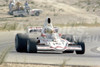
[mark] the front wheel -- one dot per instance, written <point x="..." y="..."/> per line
<point x="21" y="42"/>
<point x="82" y="44"/>
<point x="31" y="46"/>
<point x="69" y="51"/>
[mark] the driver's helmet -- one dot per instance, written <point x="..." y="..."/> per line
<point x="49" y="30"/>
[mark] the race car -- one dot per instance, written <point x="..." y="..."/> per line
<point x="35" y="12"/>
<point x="47" y="38"/>
<point x="18" y="10"/>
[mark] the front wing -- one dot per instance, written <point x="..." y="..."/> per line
<point x="45" y="47"/>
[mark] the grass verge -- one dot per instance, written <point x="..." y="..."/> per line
<point x="78" y="24"/>
<point x="16" y="26"/>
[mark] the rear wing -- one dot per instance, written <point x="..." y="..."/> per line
<point x="38" y="29"/>
<point x="34" y="29"/>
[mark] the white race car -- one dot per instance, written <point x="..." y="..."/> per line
<point x="47" y="38"/>
<point x="35" y="12"/>
<point x="18" y="10"/>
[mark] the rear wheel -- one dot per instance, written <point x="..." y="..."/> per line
<point x="82" y="44"/>
<point x="11" y="12"/>
<point x="68" y="37"/>
<point x="31" y="46"/>
<point x="37" y="13"/>
<point x="21" y="42"/>
<point x="21" y="15"/>
<point x="15" y="16"/>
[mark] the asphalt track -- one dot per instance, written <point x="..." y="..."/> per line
<point x="91" y="36"/>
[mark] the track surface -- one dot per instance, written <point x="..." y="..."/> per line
<point x="91" y="37"/>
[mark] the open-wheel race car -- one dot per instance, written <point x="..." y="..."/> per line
<point x="47" y="38"/>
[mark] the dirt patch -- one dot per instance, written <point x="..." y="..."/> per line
<point x="60" y="11"/>
<point x="27" y="65"/>
<point x="37" y="65"/>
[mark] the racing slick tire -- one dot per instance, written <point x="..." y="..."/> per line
<point x="21" y="15"/>
<point x="82" y="44"/>
<point x="15" y="16"/>
<point x="68" y="51"/>
<point x="31" y="46"/>
<point x="10" y="12"/>
<point x="37" y="13"/>
<point x="68" y="37"/>
<point x="21" y="42"/>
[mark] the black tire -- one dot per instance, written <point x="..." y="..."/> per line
<point x="21" y="42"/>
<point x="11" y="13"/>
<point x="82" y="44"/>
<point x="68" y="51"/>
<point x="31" y="46"/>
<point x="15" y="16"/>
<point x="68" y="37"/>
<point x="21" y="15"/>
<point x="37" y="13"/>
